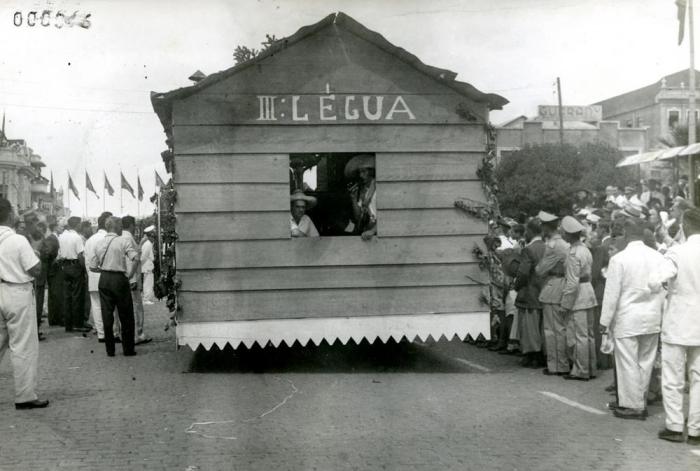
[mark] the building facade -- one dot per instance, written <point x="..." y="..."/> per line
<point x="659" y="107"/>
<point x="21" y="181"/>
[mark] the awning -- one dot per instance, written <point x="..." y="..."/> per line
<point x="662" y="154"/>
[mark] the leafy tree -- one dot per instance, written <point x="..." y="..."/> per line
<point x="546" y="177"/>
<point x="244" y="53"/>
<point x="679" y="136"/>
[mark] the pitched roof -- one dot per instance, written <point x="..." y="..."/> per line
<point x="644" y="96"/>
<point x="162" y="102"/>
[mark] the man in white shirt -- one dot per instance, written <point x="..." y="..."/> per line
<point x="632" y="315"/>
<point x="72" y="261"/>
<point x="680" y="331"/>
<point x="128" y="227"/>
<point x="19" y="265"/>
<point x="147" y="264"/>
<point x="300" y="224"/>
<point x="94" y="280"/>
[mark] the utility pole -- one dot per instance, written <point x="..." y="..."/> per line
<point x="692" y="174"/>
<point x="561" y="114"/>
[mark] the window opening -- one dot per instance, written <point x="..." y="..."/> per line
<point x="335" y="191"/>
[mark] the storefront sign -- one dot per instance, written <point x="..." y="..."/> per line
<point x="333" y="107"/>
<point x="571" y="113"/>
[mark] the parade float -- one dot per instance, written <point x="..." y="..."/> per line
<point x="241" y="140"/>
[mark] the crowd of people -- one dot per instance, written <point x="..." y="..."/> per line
<point x="88" y="274"/>
<point x="614" y="280"/>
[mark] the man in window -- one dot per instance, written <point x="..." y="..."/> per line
<point x="363" y="194"/>
<point x="301" y="224"/>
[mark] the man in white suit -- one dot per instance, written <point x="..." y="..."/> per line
<point x="631" y="313"/>
<point x="680" y="332"/>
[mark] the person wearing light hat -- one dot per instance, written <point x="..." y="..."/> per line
<point x="148" y="264"/>
<point x="578" y="302"/>
<point x="300" y="223"/>
<point x="363" y="194"/>
<point x="551" y="269"/>
<point x="680" y="331"/>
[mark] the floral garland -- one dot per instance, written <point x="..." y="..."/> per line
<point x="167" y="283"/>
<point x="487" y="211"/>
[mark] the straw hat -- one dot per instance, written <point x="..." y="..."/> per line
<point x="358" y="162"/>
<point x="300" y="196"/>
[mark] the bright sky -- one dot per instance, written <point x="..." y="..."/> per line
<point x="80" y="97"/>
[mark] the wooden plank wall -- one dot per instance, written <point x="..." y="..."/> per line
<point x="236" y="258"/>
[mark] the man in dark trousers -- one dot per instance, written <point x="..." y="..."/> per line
<point x="110" y="259"/>
<point x="71" y="258"/>
<point x="48" y="253"/>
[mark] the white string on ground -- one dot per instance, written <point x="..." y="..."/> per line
<point x="192" y="427"/>
<point x="571" y="403"/>
<point x="695" y="452"/>
<point x="471" y="364"/>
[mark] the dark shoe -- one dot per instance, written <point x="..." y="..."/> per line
<point x="610" y="388"/>
<point x="42" y="337"/>
<point x="670" y="435"/>
<point x="612" y="405"/>
<point x="552" y="373"/>
<point x="35" y="404"/>
<point x="633" y="414"/>
<point x="508" y="352"/>
<point x="101" y="340"/>
<point x="130" y="354"/>
<point x="142" y="341"/>
<point x="110" y="354"/>
<point x="117" y="340"/>
<point x="80" y="329"/>
<point x="693" y="440"/>
<point x="574" y="378"/>
<point x="527" y="361"/>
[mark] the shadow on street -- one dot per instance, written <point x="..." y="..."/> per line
<point x="392" y="357"/>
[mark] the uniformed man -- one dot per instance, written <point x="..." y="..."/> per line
<point x="71" y="258"/>
<point x="110" y="259"/>
<point x="551" y="269"/>
<point x="19" y="265"/>
<point x="578" y="303"/>
<point x="128" y="228"/>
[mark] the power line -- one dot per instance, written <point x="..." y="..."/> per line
<point x="92" y="110"/>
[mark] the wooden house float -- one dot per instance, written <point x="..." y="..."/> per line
<point x="245" y="138"/>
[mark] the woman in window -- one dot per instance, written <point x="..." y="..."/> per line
<point x="363" y="194"/>
<point x="301" y="224"/>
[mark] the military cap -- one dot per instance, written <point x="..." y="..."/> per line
<point x="546" y="217"/>
<point x="570" y="225"/>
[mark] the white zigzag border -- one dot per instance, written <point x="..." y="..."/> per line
<point x="316" y="330"/>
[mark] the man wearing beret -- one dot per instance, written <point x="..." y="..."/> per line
<point x="551" y="269"/>
<point x="578" y="302"/>
<point x="680" y="331"/>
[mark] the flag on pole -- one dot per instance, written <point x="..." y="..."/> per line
<point x="88" y="184"/>
<point x="125" y="186"/>
<point x="682" y="6"/>
<point x="159" y="181"/>
<point x="108" y="187"/>
<point x="72" y="187"/>
<point x="139" y="188"/>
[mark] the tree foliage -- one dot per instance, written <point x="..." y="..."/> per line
<point x="678" y="136"/>
<point x="546" y="177"/>
<point x="244" y="53"/>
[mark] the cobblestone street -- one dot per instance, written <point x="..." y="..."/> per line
<point x="407" y="406"/>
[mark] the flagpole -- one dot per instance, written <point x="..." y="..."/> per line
<point x="85" y="215"/>
<point x="69" y="190"/>
<point x="692" y="177"/>
<point x="138" y="201"/>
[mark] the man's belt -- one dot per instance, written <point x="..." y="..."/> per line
<point x="66" y="261"/>
<point x="584" y="279"/>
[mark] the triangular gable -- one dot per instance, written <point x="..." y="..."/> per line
<point x="336" y="36"/>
